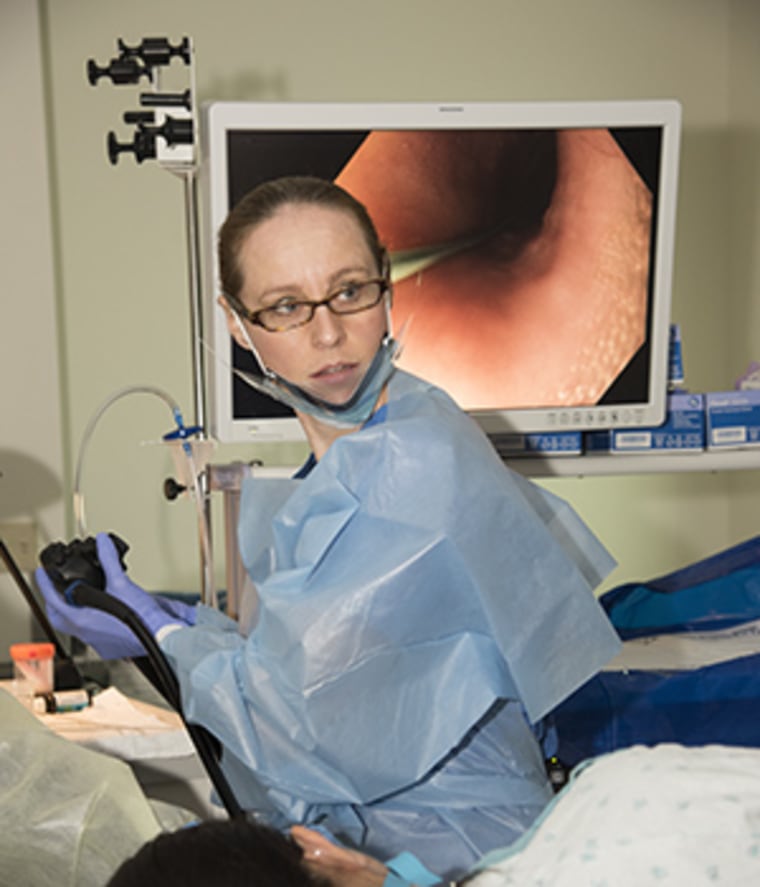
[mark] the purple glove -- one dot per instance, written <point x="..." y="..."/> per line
<point x="109" y="636"/>
<point x="155" y="611"/>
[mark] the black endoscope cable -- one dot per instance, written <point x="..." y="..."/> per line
<point x="84" y="595"/>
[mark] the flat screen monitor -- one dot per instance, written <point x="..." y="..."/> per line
<point x="531" y="247"/>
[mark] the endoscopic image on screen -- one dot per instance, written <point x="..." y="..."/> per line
<point x="521" y="259"/>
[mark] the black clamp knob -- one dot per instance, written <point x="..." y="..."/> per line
<point x="172" y="489"/>
<point x="143" y="146"/>
<point x="155" y="51"/>
<point x="122" y="71"/>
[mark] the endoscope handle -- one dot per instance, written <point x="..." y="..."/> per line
<point x="77" y="560"/>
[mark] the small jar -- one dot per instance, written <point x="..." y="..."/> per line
<point x="32" y="671"/>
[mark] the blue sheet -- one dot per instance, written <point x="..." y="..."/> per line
<point x="716" y="598"/>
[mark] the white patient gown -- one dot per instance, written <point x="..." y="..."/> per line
<point x="419" y="603"/>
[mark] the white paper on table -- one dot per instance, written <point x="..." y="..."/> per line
<point x="123" y="727"/>
<point x="688" y="649"/>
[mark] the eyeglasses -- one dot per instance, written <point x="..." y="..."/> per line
<point x="289" y="313"/>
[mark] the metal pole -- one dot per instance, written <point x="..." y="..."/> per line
<point x="196" y="299"/>
<point x="208" y="593"/>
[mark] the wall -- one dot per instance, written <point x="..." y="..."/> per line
<point x="31" y="465"/>
<point x="744" y="256"/>
<point x="119" y="230"/>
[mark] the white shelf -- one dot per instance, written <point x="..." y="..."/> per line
<point x="638" y="463"/>
<point x="596" y="465"/>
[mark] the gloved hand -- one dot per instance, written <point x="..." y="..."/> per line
<point x="109" y="636"/>
<point x="154" y="610"/>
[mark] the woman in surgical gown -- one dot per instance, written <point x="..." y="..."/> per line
<point x="420" y="607"/>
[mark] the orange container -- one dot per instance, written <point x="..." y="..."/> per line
<point x="32" y="668"/>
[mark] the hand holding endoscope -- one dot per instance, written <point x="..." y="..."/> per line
<point x="89" y="595"/>
<point x="66" y="563"/>
<point x="84" y="583"/>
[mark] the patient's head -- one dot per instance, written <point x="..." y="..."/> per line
<point x="239" y="853"/>
<point x="228" y="853"/>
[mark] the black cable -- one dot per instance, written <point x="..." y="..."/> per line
<point x="26" y="591"/>
<point x="67" y="674"/>
<point x="84" y="595"/>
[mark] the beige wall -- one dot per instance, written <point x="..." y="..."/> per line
<point x="121" y="277"/>
<point x="30" y="394"/>
<point x="744" y="250"/>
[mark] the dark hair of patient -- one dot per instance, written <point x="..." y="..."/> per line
<point x="218" y="853"/>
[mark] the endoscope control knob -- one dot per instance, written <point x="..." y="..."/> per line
<point x="77" y="560"/>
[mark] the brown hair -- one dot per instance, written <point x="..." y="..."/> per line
<point x="263" y="202"/>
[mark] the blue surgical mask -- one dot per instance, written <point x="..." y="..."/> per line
<point x="354" y="412"/>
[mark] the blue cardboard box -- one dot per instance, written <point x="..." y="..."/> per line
<point x="675" y="357"/>
<point x="682" y="431"/>
<point x="732" y="419"/>
<point x="548" y="443"/>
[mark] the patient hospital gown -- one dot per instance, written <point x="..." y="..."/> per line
<point x="419" y="604"/>
<point x="644" y="817"/>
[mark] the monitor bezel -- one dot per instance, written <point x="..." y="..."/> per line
<point x="219" y="118"/>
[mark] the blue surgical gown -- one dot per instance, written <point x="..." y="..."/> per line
<point x="419" y="604"/>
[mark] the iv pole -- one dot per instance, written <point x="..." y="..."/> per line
<point x="190" y="181"/>
<point x="171" y="139"/>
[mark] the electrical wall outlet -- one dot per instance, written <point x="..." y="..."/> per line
<point x="20" y="538"/>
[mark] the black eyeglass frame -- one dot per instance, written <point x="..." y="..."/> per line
<point x="254" y="317"/>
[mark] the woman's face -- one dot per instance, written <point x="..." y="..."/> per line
<point x="306" y="252"/>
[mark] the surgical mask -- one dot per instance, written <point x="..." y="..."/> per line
<point x="350" y="414"/>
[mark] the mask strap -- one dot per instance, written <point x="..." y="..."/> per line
<point x="244" y="332"/>
<point x="387" y="300"/>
